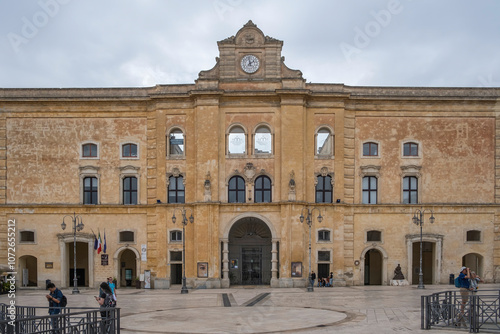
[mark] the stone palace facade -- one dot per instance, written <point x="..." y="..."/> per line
<point x="246" y="150"/>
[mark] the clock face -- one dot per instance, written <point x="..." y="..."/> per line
<point x="250" y="64"/>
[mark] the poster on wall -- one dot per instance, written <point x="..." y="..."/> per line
<point x="203" y="269"/>
<point x="147" y="279"/>
<point x="296" y="269"/>
<point x="144" y="254"/>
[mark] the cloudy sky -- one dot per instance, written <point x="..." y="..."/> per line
<point x="134" y="43"/>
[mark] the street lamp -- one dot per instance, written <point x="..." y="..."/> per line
<point x="418" y="219"/>
<point x="184" y="223"/>
<point x="77" y="227"/>
<point x="308" y="219"/>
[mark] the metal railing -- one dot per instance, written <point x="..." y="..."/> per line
<point x="71" y="320"/>
<point x="475" y="312"/>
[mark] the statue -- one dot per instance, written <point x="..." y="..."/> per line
<point x="208" y="188"/>
<point x="398" y="274"/>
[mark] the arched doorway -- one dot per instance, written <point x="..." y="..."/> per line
<point x="127" y="268"/>
<point x="82" y="263"/>
<point x="373" y="267"/>
<point x="474" y="262"/>
<point x="427" y="262"/>
<point x="250" y="246"/>
<point x="28" y="270"/>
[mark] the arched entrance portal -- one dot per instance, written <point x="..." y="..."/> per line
<point x="474" y="262"/>
<point x="28" y="270"/>
<point x="373" y="267"/>
<point x="250" y="245"/>
<point x="128" y="269"/>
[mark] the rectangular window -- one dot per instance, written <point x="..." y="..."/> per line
<point x="90" y="190"/>
<point x="175" y="256"/>
<point x="323" y="256"/>
<point x="324" y="235"/>
<point x="369" y="190"/>
<point x="130" y="190"/>
<point x="410" y="190"/>
<point x="410" y="150"/>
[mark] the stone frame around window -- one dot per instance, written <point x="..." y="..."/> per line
<point x="415" y="171"/>
<point x="480" y="241"/>
<point x="34" y="242"/>
<point x="130" y="171"/>
<point x="97" y="157"/>
<point x="271" y="132"/>
<point x="90" y="171"/>
<point x="169" y="155"/>
<point x="374" y="242"/>
<point x="127" y="143"/>
<point x="324" y="172"/>
<point x="330" y="155"/>
<point x="378" y="156"/>
<point x="330" y="232"/>
<point x="169" y="236"/>
<point x="330" y="261"/>
<point x="228" y="132"/>
<point x="134" y="233"/>
<point x="408" y="141"/>
<point x="369" y="170"/>
<point x="175" y="173"/>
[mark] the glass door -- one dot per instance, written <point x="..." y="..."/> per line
<point x="251" y="269"/>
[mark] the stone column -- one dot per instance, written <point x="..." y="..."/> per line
<point x="225" y="263"/>
<point x="274" y="264"/>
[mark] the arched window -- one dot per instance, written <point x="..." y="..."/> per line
<point x="175" y="235"/>
<point x="263" y="143"/>
<point x="175" y="143"/>
<point x="262" y="189"/>
<point x="324" y="142"/>
<point x="89" y="150"/>
<point x="323" y="235"/>
<point x="324" y="189"/>
<point x="370" y="190"/>
<point x="236" y="141"/>
<point x="370" y="149"/>
<point x="90" y="190"/>
<point x="129" y="150"/>
<point x="236" y="190"/>
<point x="410" y="149"/>
<point x="176" y="191"/>
<point x="410" y="190"/>
<point x="130" y="190"/>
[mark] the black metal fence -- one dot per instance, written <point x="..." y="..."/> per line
<point x="71" y="320"/>
<point x="475" y="312"/>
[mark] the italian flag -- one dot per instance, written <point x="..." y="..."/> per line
<point x="99" y="244"/>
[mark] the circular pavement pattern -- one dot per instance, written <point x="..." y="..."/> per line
<point x="264" y="319"/>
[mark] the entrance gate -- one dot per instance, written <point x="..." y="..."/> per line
<point x="251" y="270"/>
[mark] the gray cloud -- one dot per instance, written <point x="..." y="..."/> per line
<point x="67" y="43"/>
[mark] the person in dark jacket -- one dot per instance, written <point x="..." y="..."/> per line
<point x="54" y="299"/>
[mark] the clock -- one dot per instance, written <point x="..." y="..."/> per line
<point x="250" y="64"/>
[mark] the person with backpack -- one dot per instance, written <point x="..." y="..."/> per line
<point x="106" y="301"/>
<point x="54" y="298"/>
<point x="463" y="282"/>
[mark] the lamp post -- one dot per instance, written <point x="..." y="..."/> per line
<point x="308" y="219"/>
<point x="418" y="219"/>
<point x="184" y="223"/>
<point x="77" y="227"/>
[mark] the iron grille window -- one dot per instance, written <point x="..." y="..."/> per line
<point x="324" y="189"/>
<point x="126" y="236"/>
<point x="90" y="190"/>
<point x="263" y="189"/>
<point x="130" y="190"/>
<point x="373" y="236"/>
<point x="410" y="150"/>
<point x="176" y="191"/>
<point x="323" y="256"/>
<point x="89" y="151"/>
<point x="27" y="236"/>
<point x="175" y="235"/>
<point x="129" y="151"/>
<point x="324" y="235"/>
<point x="473" y="235"/>
<point x="175" y="256"/>
<point x="370" y="149"/>
<point x="370" y="190"/>
<point x="236" y="190"/>
<point x="410" y="190"/>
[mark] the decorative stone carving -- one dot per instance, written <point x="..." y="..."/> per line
<point x="291" y="186"/>
<point x="369" y="170"/>
<point x="208" y="188"/>
<point x="249" y="171"/>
